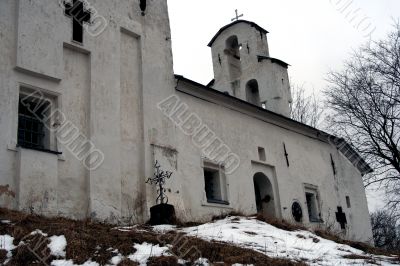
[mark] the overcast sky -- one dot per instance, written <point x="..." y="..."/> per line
<point x="313" y="36"/>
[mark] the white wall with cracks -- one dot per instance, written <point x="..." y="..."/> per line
<point x="102" y="86"/>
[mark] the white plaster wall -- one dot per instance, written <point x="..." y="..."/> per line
<point x="37" y="182"/>
<point x="87" y="79"/>
<point x="309" y="160"/>
<point x="128" y="70"/>
<point x="8" y="100"/>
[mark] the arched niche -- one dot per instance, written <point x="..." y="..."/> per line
<point x="252" y="92"/>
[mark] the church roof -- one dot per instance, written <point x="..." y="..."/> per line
<point x="345" y="148"/>
<point x="273" y="60"/>
<point x="234" y="23"/>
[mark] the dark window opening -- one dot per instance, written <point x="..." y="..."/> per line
<point x="297" y="212"/>
<point x="333" y="166"/>
<point x="143" y="6"/>
<point x="233" y="47"/>
<point x="348" y="202"/>
<point x="31" y="125"/>
<point x="214" y="186"/>
<point x="211" y="178"/>
<point x="252" y="92"/>
<point x="232" y="52"/>
<point x="312" y="207"/>
<point x="77" y="32"/>
<point x="261" y="154"/>
<point x="77" y="11"/>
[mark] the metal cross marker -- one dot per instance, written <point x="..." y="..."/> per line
<point x="237" y="16"/>
<point x="341" y="218"/>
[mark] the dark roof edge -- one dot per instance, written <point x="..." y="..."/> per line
<point x="211" y="83"/>
<point x="261" y="29"/>
<point x="273" y="60"/>
<point x="180" y="77"/>
<point x="345" y="148"/>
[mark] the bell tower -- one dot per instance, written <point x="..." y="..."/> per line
<point x="244" y="69"/>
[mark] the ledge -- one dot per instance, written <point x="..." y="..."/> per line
<point x="40" y="150"/>
<point x="262" y="163"/>
<point x="76" y="46"/>
<point x="225" y="205"/>
<point x="12" y="146"/>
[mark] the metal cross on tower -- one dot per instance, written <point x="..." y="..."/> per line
<point x="237" y="16"/>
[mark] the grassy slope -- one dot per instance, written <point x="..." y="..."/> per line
<point x="88" y="240"/>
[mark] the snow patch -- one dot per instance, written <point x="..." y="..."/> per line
<point x="164" y="228"/>
<point x="273" y="242"/>
<point x="38" y="232"/>
<point x="71" y="263"/>
<point x="6" y="243"/>
<point x="116" y="259"/>
<point x="57" y="246"/>
<point x="201" y="262"/>
<point x="145" y="251"/>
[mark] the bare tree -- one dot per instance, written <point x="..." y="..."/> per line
<point x="305" y="108"/>
<point x="385" y="230"/>
<point x="364" y="100"/>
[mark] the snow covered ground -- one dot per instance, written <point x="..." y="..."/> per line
<point x="240" y="231"/>
<point x="273" y="242"/>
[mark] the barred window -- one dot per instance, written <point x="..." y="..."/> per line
<point x="31" y="125"/>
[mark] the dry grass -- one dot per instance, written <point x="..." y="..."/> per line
<point x="356" y="257"/>
<point x="281" y="224"/>
<point x="222" y="252"/>
<point x="225" y="215"/>
<point x="89" y="240"/>
<point x="369" y="260"/>
<point x="3" y="256"/>
<point x="128" y="262"/>
<point x="162" y="261"/>
<point x="357" y="245"/>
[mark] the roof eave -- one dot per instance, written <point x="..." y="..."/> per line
<point x="261" y="29"/>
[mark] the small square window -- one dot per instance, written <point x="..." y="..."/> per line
<point x="261" y="154"/>
<point x="215" y="184"/>
<point x="348" y="202"/>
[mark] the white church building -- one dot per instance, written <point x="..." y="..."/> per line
<point x="89" y="102"/>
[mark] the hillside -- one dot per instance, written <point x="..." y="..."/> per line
<point x="33" y="240"/>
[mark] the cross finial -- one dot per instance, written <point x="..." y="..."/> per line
<point x="237" y="16"/>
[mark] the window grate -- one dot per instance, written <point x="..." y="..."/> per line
<point x="31" y="130"/>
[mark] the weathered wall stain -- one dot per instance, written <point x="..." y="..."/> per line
<point x="5" y="190"/>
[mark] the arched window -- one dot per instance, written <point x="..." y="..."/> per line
<point x="252" y="92"/>
<point x="233" y="47"/>
<point x="232" y="51"/>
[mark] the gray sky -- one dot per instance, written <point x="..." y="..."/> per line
<point x="313" y="36"/>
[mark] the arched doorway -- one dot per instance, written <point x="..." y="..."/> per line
<point x="264" y="195"/>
